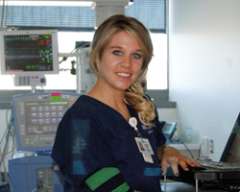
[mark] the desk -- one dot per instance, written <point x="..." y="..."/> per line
<point x="223" y="177"/>
<point x="174" y="186"/>
<point x="208" y="177"/>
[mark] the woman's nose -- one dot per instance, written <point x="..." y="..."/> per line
<point x="126" y="61"/>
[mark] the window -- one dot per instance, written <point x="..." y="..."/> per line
<point x="157" y="77"/>
<point x="157" y="68"/>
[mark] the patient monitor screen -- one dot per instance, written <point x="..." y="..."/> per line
<point x="29" y="51"/>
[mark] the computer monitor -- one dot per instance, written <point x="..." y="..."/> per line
<point x="36" y="117"/>
<point x="29" y="52"/>
<point x="169" y="128"/>
<point x="231" y="152"/>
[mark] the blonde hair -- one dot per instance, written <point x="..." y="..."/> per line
<point x="134" y="95"/>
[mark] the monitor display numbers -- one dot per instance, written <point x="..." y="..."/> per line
<point x="28" y="52"/>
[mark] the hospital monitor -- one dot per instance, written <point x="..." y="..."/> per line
<point x="29" y="52"/>
<point x="36" y="117"/>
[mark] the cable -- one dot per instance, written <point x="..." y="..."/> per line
<point x="73" y="68"/>
<point x="79" y="45"/>
<point x="165" y="183"/>
<point x="9" y="133"/>
<point x="13" y="133"/>
<point x="4" y="151"/>
<point x="3" y="136"/>
<point x="63" y="59"/>
<point x="188" y="150"/>
<point x="66" y="57"/>
<point x="185" y="146"/>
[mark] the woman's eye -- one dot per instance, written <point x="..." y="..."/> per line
<point x="117" y="52"/>
<point x="137" y="56"/>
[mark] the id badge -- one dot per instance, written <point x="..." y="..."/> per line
<point x="145" y="149"/>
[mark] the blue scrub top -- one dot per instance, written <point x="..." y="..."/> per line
<point x="93" y="135"/>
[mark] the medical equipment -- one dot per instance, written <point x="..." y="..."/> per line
<point x="36" y="117"/>
<point x="29" y="55"/>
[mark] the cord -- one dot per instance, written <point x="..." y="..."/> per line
<point x="9" y="133"/>
<point x="165" y="183"/>
<point x="80" y="45"/>
<point x="73" y="68"/>
<point x="66" y="57"/>
<point x="185" y="146"/>
<point x="188" y="150"/>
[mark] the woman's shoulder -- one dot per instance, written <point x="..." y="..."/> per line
<point x="84" y="104"/>
<point x="86" y="107"/>
<point x="80" y="109"/>
<point x="81" y="115"/>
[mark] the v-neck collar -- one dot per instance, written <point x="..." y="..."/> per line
<point x="130" y="109"/>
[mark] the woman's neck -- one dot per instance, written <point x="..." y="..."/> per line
<point x="114" y="99"/>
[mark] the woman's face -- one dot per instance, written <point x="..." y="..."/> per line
<point x="121" y="62"/>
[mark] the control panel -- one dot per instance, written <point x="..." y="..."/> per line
<point x="36" y="118"/>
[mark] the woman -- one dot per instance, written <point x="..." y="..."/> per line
<point x="114" y="124"/>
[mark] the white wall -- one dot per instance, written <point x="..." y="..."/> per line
<point x="205" y="66"/>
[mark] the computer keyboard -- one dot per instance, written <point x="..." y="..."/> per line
<point x="219" y="165"/>
<point x="185" y="176"/>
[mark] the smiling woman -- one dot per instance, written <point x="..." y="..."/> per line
<point x="119" y="60"/>
<point x="98" y="131"/>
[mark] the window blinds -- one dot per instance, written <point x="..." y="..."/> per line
<point x="151" y="12"/>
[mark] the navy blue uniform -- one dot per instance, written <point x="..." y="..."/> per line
<point x="92" y="135"/>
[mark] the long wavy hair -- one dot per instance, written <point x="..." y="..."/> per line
<point x="134" y="95"/>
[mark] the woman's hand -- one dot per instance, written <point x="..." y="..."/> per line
<point x="170" y="157"/>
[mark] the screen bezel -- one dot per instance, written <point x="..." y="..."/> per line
<point x="53" y="33"/>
